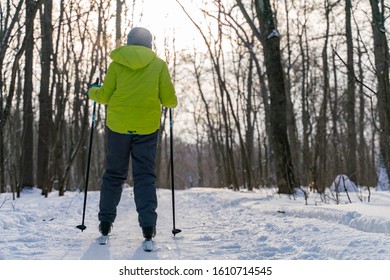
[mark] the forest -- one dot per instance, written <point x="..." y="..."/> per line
<point x="274" y="93"/>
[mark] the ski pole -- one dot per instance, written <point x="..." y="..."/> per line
<point x="174" y="230"/>
<point x="82" y="227"/>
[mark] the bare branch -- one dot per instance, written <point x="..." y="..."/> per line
<point x="365" y="86"/>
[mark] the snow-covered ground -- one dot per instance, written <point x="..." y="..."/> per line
<point x="216" y="224"/>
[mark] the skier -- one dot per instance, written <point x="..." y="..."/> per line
<point x="137" y="83"/>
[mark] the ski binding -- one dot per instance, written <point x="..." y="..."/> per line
<point x="103" y="240"/>
<point x="148" y="245"/>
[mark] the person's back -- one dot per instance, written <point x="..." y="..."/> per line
<point x="136" y="85"/>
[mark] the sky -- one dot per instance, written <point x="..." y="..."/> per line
<point x="163" y="19"/>
<point x="166" y="17"/>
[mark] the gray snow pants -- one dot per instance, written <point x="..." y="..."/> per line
<point x="142" y="149"/>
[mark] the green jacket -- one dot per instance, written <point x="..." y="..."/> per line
<point x="137" y="83"/>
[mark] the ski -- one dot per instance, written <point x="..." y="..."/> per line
<point x="148" y="245"/>
<point x="103" y="240"/>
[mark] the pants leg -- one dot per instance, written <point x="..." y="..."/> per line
<point x="116" y="171"/>
<point x="143" y="165"/>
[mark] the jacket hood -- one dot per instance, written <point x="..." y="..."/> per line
<point x="134" y="57"/>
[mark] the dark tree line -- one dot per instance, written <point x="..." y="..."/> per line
<point x="285" y="93"/>
<point x="306" y="73"/>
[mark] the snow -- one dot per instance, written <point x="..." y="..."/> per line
<point x="216" y="224"/>
<point x="273" y="34"/>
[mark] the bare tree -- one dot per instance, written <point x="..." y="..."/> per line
<point x="45" y="101"/>
<point x="245" y="91"/>
<point x="118" y="22"/>
<point x="270" y="40"/>
<point x="351" y="96"/>
<point x="8" y="23"/>
<point x="27" y="164"/>
<point x="382" y="65"/>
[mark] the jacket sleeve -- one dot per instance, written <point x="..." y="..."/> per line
<point x="103" y="94"/>
<point x="167" y="92"/>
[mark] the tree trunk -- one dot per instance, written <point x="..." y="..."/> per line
<point x="306" y="163"/>
<point x="382" y="64"/>
<point x="320" y="158"/>
<point x="350" y="104"/>
<point x="45" y="101"/>
<point x="269" y="37"/>
<point x="290" y="116"/>
<point x="27" y="164"/>
<point x="118" y="18"/>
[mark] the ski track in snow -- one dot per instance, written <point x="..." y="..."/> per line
<point x="216" y="224"/>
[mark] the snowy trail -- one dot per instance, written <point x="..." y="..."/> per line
<point x="257" y="230"/>
<point x="216" y="224"/>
